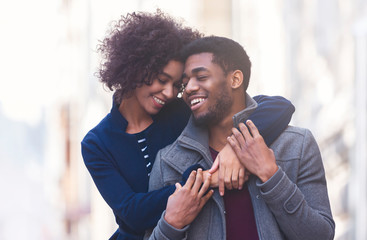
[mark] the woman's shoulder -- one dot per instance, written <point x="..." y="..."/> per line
<point x="98" y="130"/>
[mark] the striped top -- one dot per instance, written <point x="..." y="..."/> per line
<point x="142" y="142"/>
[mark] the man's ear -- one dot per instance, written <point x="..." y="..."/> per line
<point x="236" y="79"/>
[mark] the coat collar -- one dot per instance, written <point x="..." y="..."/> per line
<point x="243" y="115"/>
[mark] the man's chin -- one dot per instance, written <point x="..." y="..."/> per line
<point x="203" y="121"/>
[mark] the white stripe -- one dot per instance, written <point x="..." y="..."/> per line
<point x="144" y="149"/>
<point x="141" y="140"/>
<point x="146" y="156"/>
<point x="148" y="164"/>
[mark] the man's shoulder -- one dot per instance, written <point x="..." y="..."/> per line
<point x="167" y="149"/>
<point x="296" y="132"/>
<point x="178" y="156"/>
<point x="292" y="141"/>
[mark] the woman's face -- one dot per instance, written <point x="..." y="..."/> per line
<point x="162" y="90"/>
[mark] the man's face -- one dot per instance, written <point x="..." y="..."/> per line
<point x="208" y="90"/>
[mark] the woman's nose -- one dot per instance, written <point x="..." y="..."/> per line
<point x="168" y="91"/>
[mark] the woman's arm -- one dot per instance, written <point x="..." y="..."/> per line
<point x="272" y="116"/>
<point x="137" y="211"/>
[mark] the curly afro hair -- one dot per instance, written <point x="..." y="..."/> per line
<point x="137" y="49"/>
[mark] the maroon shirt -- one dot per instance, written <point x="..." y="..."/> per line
<point x="240" y="219"/>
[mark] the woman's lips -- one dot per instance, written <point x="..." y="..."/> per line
<point x="158" y="102"/>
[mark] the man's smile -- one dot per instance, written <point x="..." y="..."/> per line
<point x="195" y="102"/>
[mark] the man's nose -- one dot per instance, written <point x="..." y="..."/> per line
<point x="191" y="86"/>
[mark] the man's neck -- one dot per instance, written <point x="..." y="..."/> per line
<point x="219" y="132"/>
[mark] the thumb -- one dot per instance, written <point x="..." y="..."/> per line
<point x="178" y="187"/>
<point x="215" y="165"/>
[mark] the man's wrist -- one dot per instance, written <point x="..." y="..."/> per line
<point x="267" y="174"/>
<point x="170" y="231"/>
<point x="173" y="222"/>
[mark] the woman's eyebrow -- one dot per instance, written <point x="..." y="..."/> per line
<point x="166" y="74"/>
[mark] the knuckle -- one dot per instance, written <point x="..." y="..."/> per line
<point x="237" y="134"/>
<point x="184" y="190"/>
<point x="258" y="138"/>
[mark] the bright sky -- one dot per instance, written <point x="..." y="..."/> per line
<point x="35" y="62"/>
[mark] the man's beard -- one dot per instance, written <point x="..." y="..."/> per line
<point x="217" y="112"/>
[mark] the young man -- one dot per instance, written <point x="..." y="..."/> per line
<point x="286" y="194"/>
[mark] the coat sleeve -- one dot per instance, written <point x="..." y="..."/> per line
<point x="272" y="116"/>
<point x="301" y="209"/>
<point x="138" y="210"/>
<point x="163" y="230"/>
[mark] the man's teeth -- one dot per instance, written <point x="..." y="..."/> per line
<point x="159" y="101"/>
<point x="197" y="100"/>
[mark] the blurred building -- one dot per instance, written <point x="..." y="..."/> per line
<point x="312" y="52"/>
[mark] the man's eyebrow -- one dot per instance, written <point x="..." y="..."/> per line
<point x="196" y="70"/>
<point x="199" y="69"/>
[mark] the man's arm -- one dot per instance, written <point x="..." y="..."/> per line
<point x="302" y="210"/>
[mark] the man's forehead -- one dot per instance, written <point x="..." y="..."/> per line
<point x="200" y="57"/>
<point x="198" y="61"/>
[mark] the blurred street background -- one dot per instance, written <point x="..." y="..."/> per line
<point x="313" y="52"/>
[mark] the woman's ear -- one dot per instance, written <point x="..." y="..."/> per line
<point x="236" y="79"/>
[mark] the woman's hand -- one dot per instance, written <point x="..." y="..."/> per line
<point x="252" y="151"/>
<point x="214" y="178"/>
<point x="186" y="202"/>
<point x="231" y="173"/>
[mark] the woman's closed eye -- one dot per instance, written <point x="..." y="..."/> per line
<point x="162" y="81"/>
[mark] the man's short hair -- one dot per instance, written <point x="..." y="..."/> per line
<point x="228" y="54"/>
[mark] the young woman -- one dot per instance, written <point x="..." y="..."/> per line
<point x="142" y="65"/>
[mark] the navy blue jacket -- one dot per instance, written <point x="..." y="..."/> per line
<point x="116" y="164"/>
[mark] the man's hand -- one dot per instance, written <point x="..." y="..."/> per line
<point x="231" y="173"/>
<point x="253" y="152"/>
<point x="186" y="202"/>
